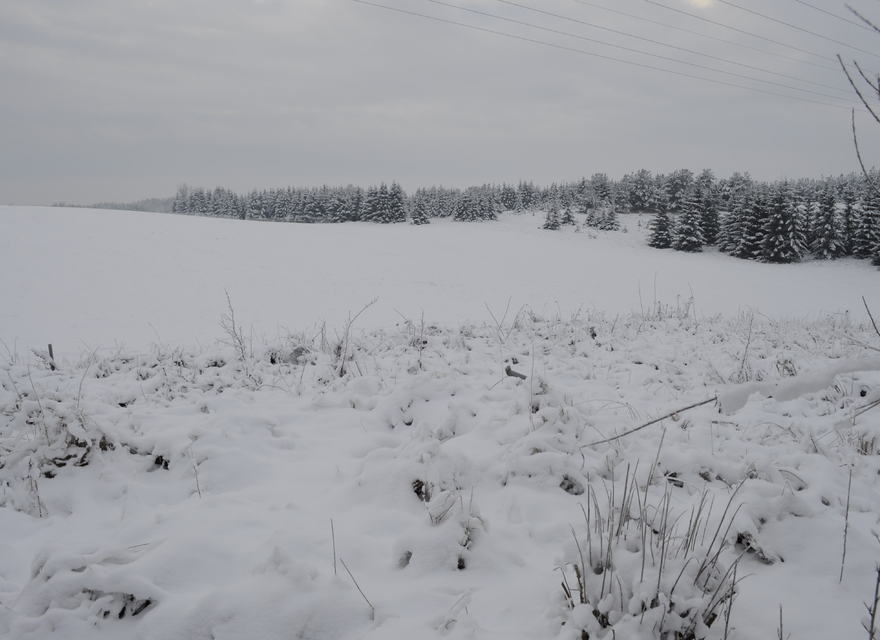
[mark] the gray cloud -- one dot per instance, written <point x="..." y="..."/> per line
<point x="122" y="100"/>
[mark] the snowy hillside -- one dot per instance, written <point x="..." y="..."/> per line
<point x="176" y="475"/>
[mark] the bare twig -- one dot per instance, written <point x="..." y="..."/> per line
<point x="39" y="404"/>
<point x="857" y="90"/>
<point x="366" y="599"/>
<point x="333" y="539"/>
<point x="780" y="632"/>
<point x="865" y="77"/>
<point x="192" y="457"/>
<point x="870" y="315"/>
<point x="652" y="422"/>
<point x="869" y="179"/>
<point x="742" y="365"/>
<point x="863" y="19"/>
<point x="343" y="352"/>
<point x="870" y="625"/>
<point x="845" y="525"/>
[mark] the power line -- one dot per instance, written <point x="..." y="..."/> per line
<point x="833" y="15"/>
<point x="699" y="33"/>
<point x="796" y="27"/>
<point x="645" y="53"/>
<point x="594" y="54"/>
<point x="738" y="30"/>
<point x="650" y="40"/>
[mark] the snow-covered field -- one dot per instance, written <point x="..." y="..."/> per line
<point x="170" y="485"/>
<point x="82" y="278"/>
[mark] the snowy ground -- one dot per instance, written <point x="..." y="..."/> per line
<point x="182" y="490"/>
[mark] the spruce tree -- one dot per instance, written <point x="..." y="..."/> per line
<point x="750" y="223"/>
<point x="867" y="233"/>
<point x="707" y="196"/>
<point x="848" y="217"/>
<point x="566" y="216"/>
<point x="601" y="187"/>
<point x="181" y="198"/>
<point x="420" y="208"/>
<point x="396" y="207"/>
<point x="371" y="206"/>
<point x="826" y="242"/>
<point x="660" y="227"/>
<point x="551" y="220"/>
<point x="688" y="234"/>
<point x="678" y="186"/>
<point x="783" y="235"/>
<point x="641" y="191"/>
<point x="607" y="219"/>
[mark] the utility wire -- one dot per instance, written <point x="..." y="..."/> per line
<point x="694" y="32"/>
<point x="832" y="14"/>
<point x="650" y="40"/>
<point x="648" y="53"/>
<point x="796" y="27"/>
<point x="594" y="54"/>
<point x="738" y="30"/>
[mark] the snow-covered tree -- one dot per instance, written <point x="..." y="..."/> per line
<point x="678" y="187"/>
<point x="660" y="228"/>
<point x="783" y="236"/>
<point x="551" y="220"/>
<point x="749" y="213"/>
<point x="420" y="208"/>
<point x="826" y="242"/>
<point x="867" y="234"/>
<point x="688" y="231"/>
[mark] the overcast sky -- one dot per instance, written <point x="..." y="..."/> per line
<point x="126" y="99"/>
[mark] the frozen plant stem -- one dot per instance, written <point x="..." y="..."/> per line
<point x="343" y="351"/>
<point x="333" y="540"/>
<point x="870" y="315"/>
<point x="845" y="525"/>
<point x="361" y="591"/>
<point x="780" y="632"/>
<point x="870" y="624"/>
<point x="192" y="456"/>
<point x="652" y="422"/>
<point x="742" y="366"/>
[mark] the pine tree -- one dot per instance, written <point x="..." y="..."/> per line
<point x="181" y="198"/>
<point x="566" y="216"/>
<point x="371" y="206"/>
<point x="607" y="219"/>
<point x="783" y="235"/>
<point x="641" y="191"/>
<point x="826" y="242"/>
<point x="688" y="234"/>
<point x="420" y="208"/>
<point x="678" y="187"/>
<point x="601" y="187"/>
<point x="551" y="221"/>
<point x="848" y="219"/>
<point x="707" y="195"/>
<point x="750" y="222"/>
<point x="867" y="234"/>
<point x="396" y="208"/>
<point x="660" y="228"/>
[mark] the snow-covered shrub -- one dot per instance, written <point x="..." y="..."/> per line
<point x="638" y="569"/>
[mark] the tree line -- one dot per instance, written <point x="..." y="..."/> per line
<point x="781" y="221"/>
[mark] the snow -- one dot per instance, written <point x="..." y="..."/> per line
<point x="82" y="278"/>
<point x="163" y="486"/>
